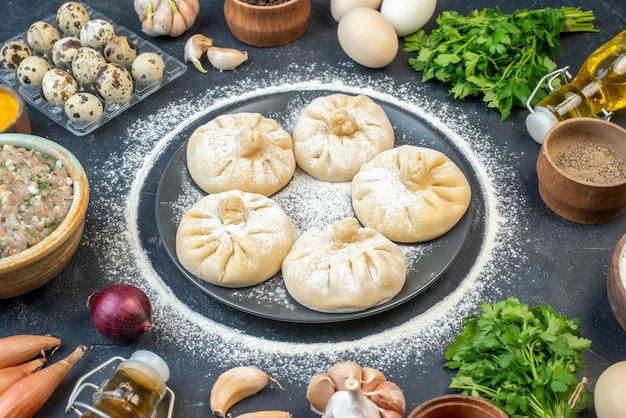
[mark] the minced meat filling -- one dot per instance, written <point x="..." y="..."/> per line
<point x="36" y="192"/>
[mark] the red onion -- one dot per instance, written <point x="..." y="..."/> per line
<point x="121" y="312"/>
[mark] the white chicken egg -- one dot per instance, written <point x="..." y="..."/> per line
<point x="608" y="395"/>
<point x="408" y="16"/>
<point x="114" y="83"/>
<point x="338" y="8"/>
<point x="31" y="70"/>
<point x="83" y="108"/>
<point x="57" y="86"/>
<point x="367" y="37"/>
<point x="148" y="67"/>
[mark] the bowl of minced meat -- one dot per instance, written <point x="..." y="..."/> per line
<point x="44" y="195"/>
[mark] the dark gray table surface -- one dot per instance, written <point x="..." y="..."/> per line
<point x="526" y="250"/>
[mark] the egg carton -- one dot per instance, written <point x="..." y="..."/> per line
<point x="33" y="95"/>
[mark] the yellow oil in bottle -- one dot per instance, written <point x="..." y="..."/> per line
<point x="599" y="85"/>
<point x="133" y="391"/>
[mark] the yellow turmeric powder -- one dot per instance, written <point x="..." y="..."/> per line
<point x="8" y="110"/>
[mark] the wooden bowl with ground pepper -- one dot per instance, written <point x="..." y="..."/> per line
<point x="457" y="406"/>
<point x="44" y="194"/>
<point x="267" y="23"/>
<point x="582" y="170"/>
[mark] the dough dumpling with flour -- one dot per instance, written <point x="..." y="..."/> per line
<point x="410" y="194"/>
<point x="343" y="268"/>
<point x="244" y="151"/>
<point x="234" y="238"/>
<point x="336" y="134"/>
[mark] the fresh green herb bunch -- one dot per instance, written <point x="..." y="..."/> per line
<point x="501" y="57"/>
<point x="522" y="359"/>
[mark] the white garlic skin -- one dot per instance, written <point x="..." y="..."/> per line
<point x="226" y="59"/>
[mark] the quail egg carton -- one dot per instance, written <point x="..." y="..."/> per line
<point x="33" y="95"/>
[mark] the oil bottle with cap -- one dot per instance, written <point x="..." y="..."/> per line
<point x="134" y="390"/>
<point x="598" y="88"/>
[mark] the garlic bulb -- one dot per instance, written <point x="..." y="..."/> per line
<point x="166" y="17"/>
<point x="348" y="391"/>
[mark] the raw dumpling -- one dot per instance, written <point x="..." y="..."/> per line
<point x="336" y="134"/>
<point x="410" y="194"/>
<point x="234" y="239"/>
<point x="343" y="268"/>
<point x="243" y="151"/>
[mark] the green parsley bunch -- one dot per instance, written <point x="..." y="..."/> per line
<point x="501" y="57"/>
<point x="524" y="360"/>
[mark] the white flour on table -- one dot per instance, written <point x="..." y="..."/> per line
<point x="124" y="259"/>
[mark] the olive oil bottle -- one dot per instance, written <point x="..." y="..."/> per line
<point x="600" y="85"/>
<point x="134" y="390"/>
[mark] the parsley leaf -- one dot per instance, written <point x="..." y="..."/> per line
<point x="501" y="57"/>
<point x="522" y="359"/>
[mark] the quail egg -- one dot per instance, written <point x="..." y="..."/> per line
<point x="120" y="50"/>
<point x="64" y="51"/>
<point x="83" y="108"/>
<point x="148" y="67"/>
<point x="96" y="33"/>
<point x="41" y="36"/>
<point x="86" y="65"/>
<point x="58" y="86"/>
<point x="114" y="83"/>
<point x="71" y="17"/>
<point x="12" y="53"/>
<point x="32" y="69"/>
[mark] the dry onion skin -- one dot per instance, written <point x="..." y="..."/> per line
<point x="120" y="312"/>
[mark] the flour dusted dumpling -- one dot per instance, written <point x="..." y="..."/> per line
<point x="336" y="134"/>
<point x="343" y="268"/>
<point x="410" y="194"/>
<point x="244" y="151"/>
<point x="234" y="238"/>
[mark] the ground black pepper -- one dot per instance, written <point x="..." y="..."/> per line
<point x="592" y="162"/>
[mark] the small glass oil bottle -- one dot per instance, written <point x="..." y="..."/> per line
<point x="599" y="86"/>
<point x="134" y="390"/>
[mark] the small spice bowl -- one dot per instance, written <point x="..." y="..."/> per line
<point x="457" y="406"/>
<point x="267" y="26"/>
<point x="32" y="267"/>
<point x="616" y="282"/>
<point x="581" y="170"/>
<point x="13" y="112"/>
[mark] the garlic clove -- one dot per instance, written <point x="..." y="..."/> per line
<point x="225" y="59"/>
<point x="266" y="414"/>
<point x="384" y="413"/>
<point x="319" y="391"/>
<point x="342" y="371"/>
<point x="179" y="26"/>
<point x="234" y="385"/>
<point x="161" y="19"/>
<point x="388" y="396"/>
<point x="351" y="403"/>
<point x="187" y="12"/>
<point x="194" y="4"/>
<point x="144" y="8"/>
<point x="195" y="46"/>
<point x="371" y="378"/>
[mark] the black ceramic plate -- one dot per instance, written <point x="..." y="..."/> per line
<point x="426" y="261"/>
